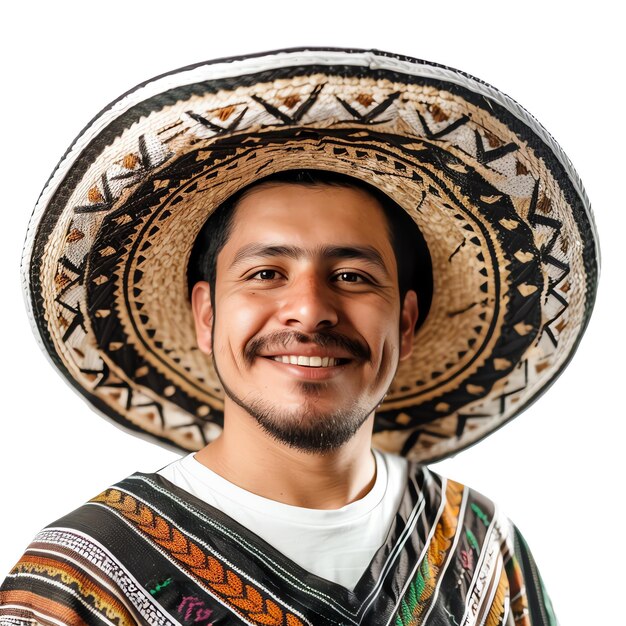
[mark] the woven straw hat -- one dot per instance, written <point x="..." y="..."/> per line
<point x="506" y="220"/>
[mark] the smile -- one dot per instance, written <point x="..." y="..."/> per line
<point x="309" y="361"/>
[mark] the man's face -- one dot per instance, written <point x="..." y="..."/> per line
<point x="307" y="329"/>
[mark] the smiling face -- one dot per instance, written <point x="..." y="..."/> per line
<point x="308" y="328"/>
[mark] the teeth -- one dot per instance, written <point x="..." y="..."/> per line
<point x="313" y="361"/>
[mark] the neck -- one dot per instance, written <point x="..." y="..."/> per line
<point x="247" y="457"/>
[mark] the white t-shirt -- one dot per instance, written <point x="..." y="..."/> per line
<point x="337" y="545"/>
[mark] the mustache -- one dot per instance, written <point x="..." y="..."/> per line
<point x="327" y="339"/>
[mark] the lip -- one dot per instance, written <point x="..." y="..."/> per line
<point x="321" y="361"/>
<point x="302" y="351"/>
<point x="304" y="372"/>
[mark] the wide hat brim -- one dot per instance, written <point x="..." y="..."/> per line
<point x="507" y="223"/>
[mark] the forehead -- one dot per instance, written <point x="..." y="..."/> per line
<point x="309" y="215"/>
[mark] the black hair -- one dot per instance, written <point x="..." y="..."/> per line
<point x="412" y="256"/>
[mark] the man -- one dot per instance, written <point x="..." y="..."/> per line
<point x="304" y="299"/>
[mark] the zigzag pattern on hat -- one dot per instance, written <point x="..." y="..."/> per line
<point x="488" y="188"/>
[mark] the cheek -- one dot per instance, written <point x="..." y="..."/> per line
<point x="386" y="349"/>
<point x="240" y="319"/>
<point x="390" y="349"/>
<point x="384" y="332"/>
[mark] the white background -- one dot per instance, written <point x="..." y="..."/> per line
<point x="558" y="470"/>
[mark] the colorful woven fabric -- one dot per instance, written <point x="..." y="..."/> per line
<point x="146" y="552"/>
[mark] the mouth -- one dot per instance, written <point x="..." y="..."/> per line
<point x="308" y="361"/>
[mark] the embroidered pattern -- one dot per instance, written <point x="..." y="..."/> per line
<point x="242" y="597"/>
<point x="153" y="556"/>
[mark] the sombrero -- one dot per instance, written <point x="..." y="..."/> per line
<point x="504" y="215"/>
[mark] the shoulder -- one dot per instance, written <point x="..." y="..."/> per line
<point x="455" y="494"/>
<point x="471" y="518"/>
<point x="101" y="519"/>
<point x="77" y="570"/>
<point x="483" y="546"/>
<point x="93" y="523"/>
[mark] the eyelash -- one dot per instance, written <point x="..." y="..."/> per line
<point x="362" y="278"/>
<point x="253" y="276"/>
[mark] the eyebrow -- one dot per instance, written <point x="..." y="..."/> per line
<point x="364" y="253"/>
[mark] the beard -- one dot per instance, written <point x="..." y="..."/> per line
<point x="306" y="428"/>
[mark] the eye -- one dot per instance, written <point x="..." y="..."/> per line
<point x="264" y="275"/>
<point x="350" y="277"/>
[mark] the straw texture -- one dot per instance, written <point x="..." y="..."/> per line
<point x="508" y="227"/>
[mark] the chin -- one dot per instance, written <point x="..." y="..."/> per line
<point x="327" y="423"/>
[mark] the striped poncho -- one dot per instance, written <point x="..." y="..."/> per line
<point x="147" y="552"/>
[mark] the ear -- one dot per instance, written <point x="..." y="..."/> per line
<point x="203" y="315"/>
<point x="408" y="319"/>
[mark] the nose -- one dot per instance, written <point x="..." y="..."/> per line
<point x="309" y="304"/>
